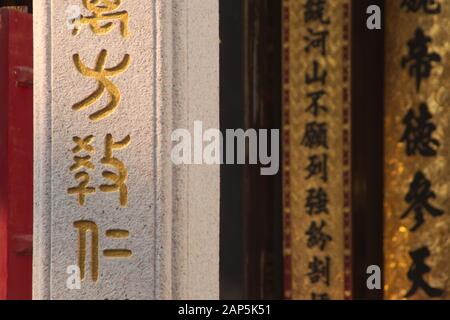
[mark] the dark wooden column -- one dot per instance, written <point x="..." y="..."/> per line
<point x="367" y="115"/>
<point x="232" y="109"/>
<point x="263" y="111"/>
<point x="251" y="237"/>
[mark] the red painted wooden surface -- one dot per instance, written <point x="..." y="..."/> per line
<point x="16" y="154"/>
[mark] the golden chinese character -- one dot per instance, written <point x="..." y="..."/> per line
<point x="83" y="144"/>
<point x="82" y="163"/>
<point x="117" y="253"/>
<point x="101" y="74"/>
<point x="82" y="189"/>
<point x="118" y="180"/>
<point x="83" y="228"/>
<point x="102" y="13"/>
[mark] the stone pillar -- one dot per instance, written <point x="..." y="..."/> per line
<point x="109" y="204"/>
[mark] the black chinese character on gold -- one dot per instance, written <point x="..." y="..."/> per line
<point x="316" y="75"/>
<point x="418" y="198"/>
<point x="319" y="270"/>
<point x="417" y="272"/>
<point x="317" y="237"/>
<point x="316" y="135"/>
<point x="315" y="11"/>
<point x="318" y="166"/>
<point x="419" y="60"/>
<point x="316" y="107"/>
<point x="428" y="6"/>
<point x="320" y="296"/>
<point x="316" y="202"/>
<point x="317" y="40"/>
<point x="418" y="133"/>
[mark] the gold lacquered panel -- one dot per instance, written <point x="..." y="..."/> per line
<point x="403" y="95"/>
<point x="301" y="252"/>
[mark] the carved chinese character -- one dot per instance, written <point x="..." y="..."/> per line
<point x="83" y="144"/>
<point x="82" y="163"/>
<point x="83" y="189"/>
<point x="120" y="178"/>
<point x="101" y="75"/>
<point x="117" y="234"/>
<point x="103" y="12"/>
<point x="88" y="227"/>
<point x="85" y="227"/>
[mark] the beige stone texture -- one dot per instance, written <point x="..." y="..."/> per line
<point x="172" y="212"/>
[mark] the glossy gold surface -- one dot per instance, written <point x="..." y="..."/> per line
<point x="400" y="96"/>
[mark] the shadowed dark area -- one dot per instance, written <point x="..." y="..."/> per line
<point x="367" y="113"/>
